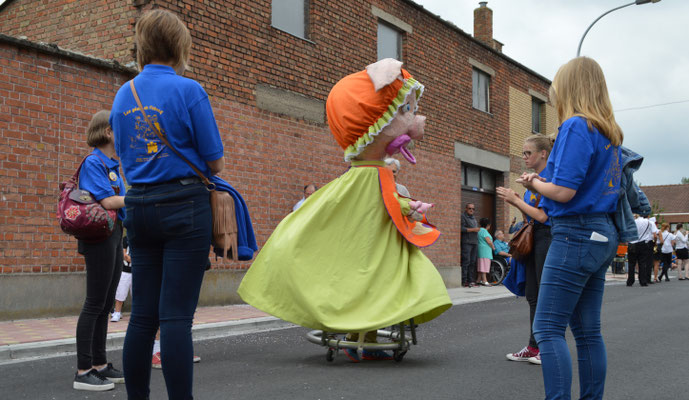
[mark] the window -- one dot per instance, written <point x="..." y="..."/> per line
<point x="290" y="16"/>
<point x="478" y="178"/>
<point x="472" y="176"/>
<point x="536" y="110"/>
<point x="480" y="91"/>
<point x="389" y="42"/>
<point x="487" y="179"/>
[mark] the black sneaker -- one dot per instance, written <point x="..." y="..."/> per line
<point x="92" y="381"/>
<point x="112" y="374"/>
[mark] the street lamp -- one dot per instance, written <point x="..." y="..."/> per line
<point x="637" y="2"/>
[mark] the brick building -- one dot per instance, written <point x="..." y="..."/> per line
<point x="268" y="68"/>
<point x="670" y="203"/>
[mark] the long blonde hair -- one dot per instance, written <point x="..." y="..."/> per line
<point x="579" y="89"/>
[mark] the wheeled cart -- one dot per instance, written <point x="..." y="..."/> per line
<point x="398" y="338"/>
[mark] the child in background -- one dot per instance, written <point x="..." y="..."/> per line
<point x="125" y="285"/>
<point x="485" y="251"/>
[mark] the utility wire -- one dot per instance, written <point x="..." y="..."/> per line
<point x="652" y="105"/>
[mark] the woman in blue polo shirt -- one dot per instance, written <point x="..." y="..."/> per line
<point x="580" y="197"/>
<point x="535" y="154"/>
<point x="168" y="208"/>
<point x="101" y="177"/>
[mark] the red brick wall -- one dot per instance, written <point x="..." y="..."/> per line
<point x="45" y="105"/>
<point x="49" y="100"/>
<point x="100" y="28"/>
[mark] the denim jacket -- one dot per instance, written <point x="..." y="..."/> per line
<point x="632" y="199"/>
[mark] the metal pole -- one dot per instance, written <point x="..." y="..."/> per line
<point x="606" y="13"/>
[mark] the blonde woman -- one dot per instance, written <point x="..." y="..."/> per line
<point x="535" y="155"/>
<point x="580" y="197"/>
<point x="682" y="253"/>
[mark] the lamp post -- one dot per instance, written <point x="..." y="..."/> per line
<point x="637" y="2"/>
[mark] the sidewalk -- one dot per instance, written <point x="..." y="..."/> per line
<point x="47" y="337"/>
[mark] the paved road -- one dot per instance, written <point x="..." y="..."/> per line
<point x="459" y="356"/>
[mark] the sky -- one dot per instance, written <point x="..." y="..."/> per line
<point x="642" y="49"/>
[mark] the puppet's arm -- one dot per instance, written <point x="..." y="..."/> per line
<point x="412" y="208"/>
<point x="404" y="204"/>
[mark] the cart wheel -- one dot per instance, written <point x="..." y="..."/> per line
<point x="329" y="356"/>
<point x="398" y="355"/>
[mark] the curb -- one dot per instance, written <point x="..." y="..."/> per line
<point x="479" y="298"/>
<point x="14" y="353"/>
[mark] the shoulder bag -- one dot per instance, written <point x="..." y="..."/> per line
<point x="521" y="244"/>
<point x="222" y="204"/>
<point x="80" y="215"/>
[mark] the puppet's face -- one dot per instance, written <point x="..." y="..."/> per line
<point x="395" y="137"/>
<point x="406" y="122"/>
<point x="406" y="126"/>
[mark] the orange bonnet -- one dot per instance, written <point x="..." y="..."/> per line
<point x="357" y="112"/>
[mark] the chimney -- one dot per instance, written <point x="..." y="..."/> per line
<point x="483" y="26"/>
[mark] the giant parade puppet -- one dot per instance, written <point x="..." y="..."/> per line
<point x="349" y="260"/>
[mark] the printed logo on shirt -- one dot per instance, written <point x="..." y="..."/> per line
<point x="613" y="174"/>
<point x="146" y="142"/>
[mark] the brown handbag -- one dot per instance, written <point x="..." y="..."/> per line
<point x="222" y="204"/>
<point x="521" y="244"/>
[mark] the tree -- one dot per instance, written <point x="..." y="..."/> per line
<point x="656" y="210"/>
<point x="684" y="180"/>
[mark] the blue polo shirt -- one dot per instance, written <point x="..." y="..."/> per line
<point x="102" y="180"/>
<point x="586" y="161"/>
<point x="180" y="108"/>
<point x="530" y="198"/>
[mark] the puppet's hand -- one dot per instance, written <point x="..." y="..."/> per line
<point x="419" y="206"/>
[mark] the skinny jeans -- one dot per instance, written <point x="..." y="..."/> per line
<point x="571" y="294"/>
<point x="103" y="269"/>
<point x="169" y="230"/>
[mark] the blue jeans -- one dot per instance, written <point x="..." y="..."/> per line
<point x="571" y="294"/>
<point x="169" y="231"/>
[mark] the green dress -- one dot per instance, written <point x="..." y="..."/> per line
<point x="339" y="264"/>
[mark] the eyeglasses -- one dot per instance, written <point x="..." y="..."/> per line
<point x="470" y="208"/>
<point x="527" y="154"/>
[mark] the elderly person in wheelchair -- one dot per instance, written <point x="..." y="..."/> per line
<point x="502" y="258"/>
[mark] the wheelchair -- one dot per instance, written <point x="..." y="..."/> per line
<point x="498" y="270"/>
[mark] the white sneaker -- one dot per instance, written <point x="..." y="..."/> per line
<point x="535" y="360"/>
<point x="116" y="316"/>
